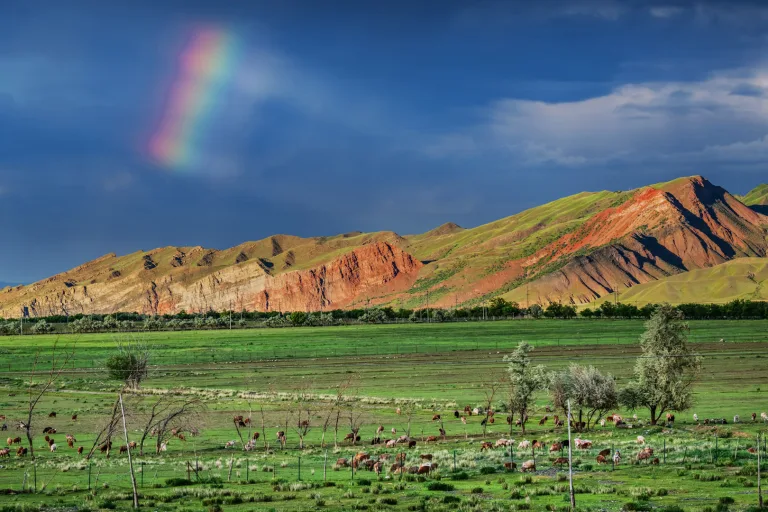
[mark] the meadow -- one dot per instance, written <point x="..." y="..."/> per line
<point x="270" y="374"/>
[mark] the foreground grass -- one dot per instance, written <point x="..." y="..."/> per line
<point x="704" y="464"/>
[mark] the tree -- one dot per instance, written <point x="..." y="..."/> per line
<point x="499" y="306"/>
<point x="42" y="327"/>
<point x="524" y="381"/>
<point x="667" y="368"/>
<point x="491" y="387"/>
<point x="535" y="311"/>
<point x="38" y="389"/>
<point x="130" y="363"/>
<point x="590" y="392"/>
<point x="166" y="414"/>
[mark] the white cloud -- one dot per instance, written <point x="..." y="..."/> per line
<point x="634" y="122"/>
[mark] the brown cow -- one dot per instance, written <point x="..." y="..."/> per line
<point x="132" y="445"/>
<point x="400" y="457"/>
<point x="529" y="465"/>
<point x="538" y="445"/>
<point x="486" y="446"/>
<point x="543" y="420"/>
<point x="80" y="450"/>
<point x="255" y="436"/>
<point x="655" y="461"/>
<point x="411" y="444"/>
<point x="5" y="452"/>
<point x="560" y="461"/>
<point x="436" y="417"/>
<point x="70" y="443"/>
<point x="430" y="439"/>
<point x="52" y="415"/>
<point x="342" y="463"/>
<point x="605" y="452"/>
<point x="556" y="447"/>
<point x="123" y="449"/>
<point x="601" y="459"/>
<point x="377" y="468"/>
<point x="16" y="440"/>
<point x="21" y="452"/>
<point x="426" y="456"/>
<point x="510" y="466"/>
<point x="396" y="468"/>
<point x="74" y="417"/>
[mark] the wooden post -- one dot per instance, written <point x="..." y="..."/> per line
<point x="665" y="450"/>
<point x="130" y="458"/>
<point x="570" y="462"/>
<point x="759" y="488"/>
<point x="325" y="466"/>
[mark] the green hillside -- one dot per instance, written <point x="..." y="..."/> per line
<point x="757" y="198"/>
<point x="743" y="278"/>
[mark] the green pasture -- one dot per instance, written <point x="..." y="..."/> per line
<point x="438" y="367"/>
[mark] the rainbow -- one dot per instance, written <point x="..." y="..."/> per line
<point x="204" y="68"/>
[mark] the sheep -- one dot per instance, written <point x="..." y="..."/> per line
<point x="736" y="418"/>
<point x="524" y="445"/>
<point x="391" y="443"/>
<point x="53" y="447"/>
<point x="640" y="440"/>
<point x="695" y="417"/>
<point x="529" y="465"/>
<point x="764" y="417"/>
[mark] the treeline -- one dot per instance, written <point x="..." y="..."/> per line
<point x="497" y="308"/>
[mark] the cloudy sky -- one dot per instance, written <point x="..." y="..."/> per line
<point x="132" y="124"/>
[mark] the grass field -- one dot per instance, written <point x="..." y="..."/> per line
<point x="438" y="367"/>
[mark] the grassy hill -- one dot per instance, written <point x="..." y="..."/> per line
<point x="742" y="278"/>
<point x="757" y="198"/>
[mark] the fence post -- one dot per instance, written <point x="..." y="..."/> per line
<point x="142" y="473"/>
<point x="246" y="470"/>
<point x="665" y="450"/>
<point x="716" y="450"/>
<point x="613" y="459"/>
<point x="35" y="474"/>
<point x="89" y="475"/>
<point x="299" y="468"/>
<point x="325" y="466"/>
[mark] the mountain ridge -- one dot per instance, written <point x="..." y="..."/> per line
<point x="572" y="250"/>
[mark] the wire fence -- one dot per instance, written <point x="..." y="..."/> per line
<point x="294" y="466"/>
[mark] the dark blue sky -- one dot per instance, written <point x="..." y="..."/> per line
<point x="341" y="116"/>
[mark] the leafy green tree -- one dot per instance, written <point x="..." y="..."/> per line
<point x="535" y="311"/>
<point x="499" y="306"/>
<point x="587" y="313"/>
<point x="524" y="381"/>
<point x="591" y="393"/>
<point x="42" y="327"/>
<point x="667" y="368"/>
<point x="129" y="364"/>
<point x="298" y="317"/>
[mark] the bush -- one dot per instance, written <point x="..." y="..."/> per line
<point x="462" y="475"/>
<point x="671" y="508"/>
<point x="177" y="482"/>
<point x="633" y="506"/>
<point x="726" y="500"/>
<point x="487" y="470"/>
<point x="477" y="490"/>
<point x="363" y="482"/>
<point x="451" y="499"/>
<point x="439" y="486"/>
<point x="388" y="501"/>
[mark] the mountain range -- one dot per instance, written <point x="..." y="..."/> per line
<point x="573" y="250"/>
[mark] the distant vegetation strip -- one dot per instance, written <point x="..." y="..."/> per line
<point x="496" y="309"/>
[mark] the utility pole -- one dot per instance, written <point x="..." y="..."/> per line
<point x="230" y="315"/>
<point x="759" y="488"/>
<point x="428" y="307"/>
<point x="570" y="462"/>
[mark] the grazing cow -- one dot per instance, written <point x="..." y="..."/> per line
<point x="79" y="450"/>
<point x="464" y="420"/>
<point x="538" y="445"/>
<point x="764" y="417"/>
<point x="52" y="415"/>
<point x="583" y="444"/>
<point x="524" y="445"/>
<point x="411" y="444"/>
<point x="456" y="414"/>
<point x="400" y="457"/>
<point x="50" y="442"/>
<point x="402" y="439"/>
<point x="467" y="410"/>
<point x="655" y="461"/>
<point x="605" y="452"/>
<point x="70" y="443"/>
<point x="529" y="465"/>
<point x="436" y="417"/>
<point x="643" y="455"/>
<point x="396" y="468"/>
<point x="670" y="418"/>
<point x="543" y="420"/>
<point x="394" y="431"/>
<point x="695" y="417"/>
<point x="21" y="452"/>
<point x="565" y="443"/>
<point x="74" y="417"/>
<point x="348" y="437"/>
<point x="104" y="448"/>
<point x="377" y="468"/>
<point x="5" y="452"/>
<point x="123" y="449"/>
<point x="754" y="417"/>
<point x="503" y="442"/>
<point x="384" y="456"/>
<point x="617" y="457"/>
<point x="510" y="466"/>
<point x="752" y="450"/>
<point x="70" y="437"/>
<point x="16" y="440"/>
<point x="602" y="423"/>
<point x="342" y="463"/>
<point x="53" y="447"/>
<point x="10" y="441"/>
<point x="430" y="439"/>
<point x="132" y="445"/>
<point x="736" y="418"/>
<point x="560" y="461"/>
<point x="484" y="422"/>
<point x="391" y="443"/>
<point x="476" y="411"/>
<point x="601" y="459"/>
<point x="555" y="447"/>
<point x="3" y="427"/>
<point x="640" y="440"/>
<point x="229" y="444"/>
<point x="486" y="446"/>
<point x="255" y="436"/>
<point x="426" y="456"/>
<point x="47" y="430"/>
